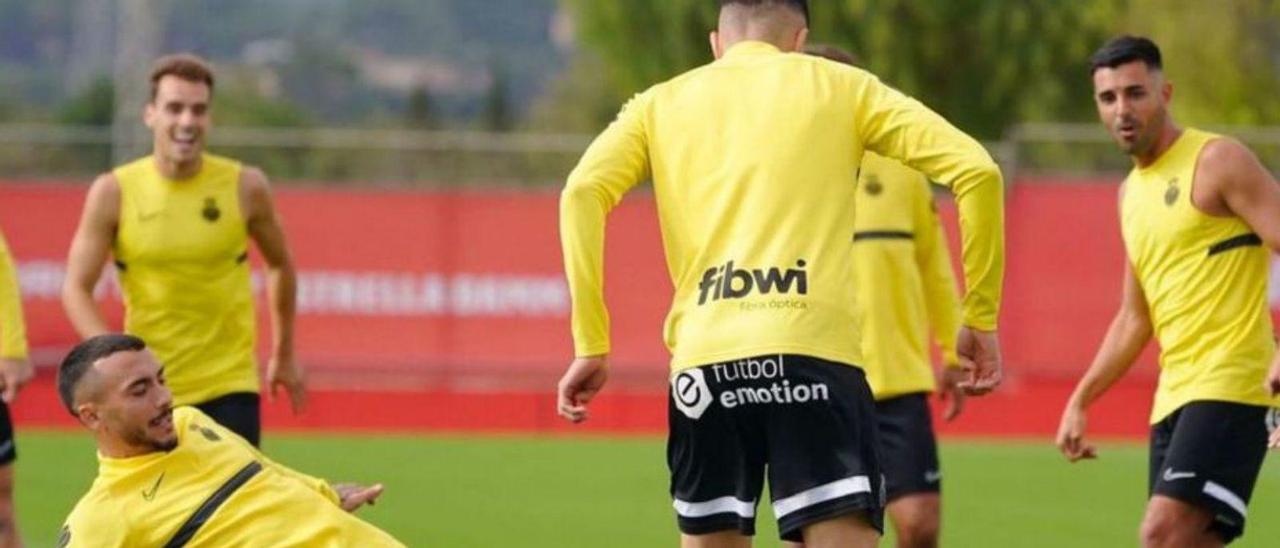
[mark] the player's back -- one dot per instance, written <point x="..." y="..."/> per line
<point x="753" y="159"/>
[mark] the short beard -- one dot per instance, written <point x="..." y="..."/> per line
<point x="139" y="438"/>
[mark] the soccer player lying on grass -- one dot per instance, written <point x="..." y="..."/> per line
<point x="174" y="477"/>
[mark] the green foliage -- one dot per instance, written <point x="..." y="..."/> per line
<point x="95" y="106"/>
<point x="985" y="64"/>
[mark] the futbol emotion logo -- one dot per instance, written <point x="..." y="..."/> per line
<point x="690" y="391"/>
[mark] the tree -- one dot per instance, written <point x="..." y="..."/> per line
<point x="985" y="64"/>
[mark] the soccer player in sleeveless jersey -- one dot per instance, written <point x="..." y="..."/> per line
<point x="178" y="224"/>
<point x="1199" y="215"/>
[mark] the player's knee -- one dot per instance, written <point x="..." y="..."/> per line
<point x="1160" y="529"/>
<point x="918" y="534"/>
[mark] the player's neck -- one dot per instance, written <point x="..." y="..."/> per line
<point x="1164" y="141"/>
<point x="117" y="449"/>
<point x="174" y="170"/>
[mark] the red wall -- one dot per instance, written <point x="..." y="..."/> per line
<point x="468" y="285"/>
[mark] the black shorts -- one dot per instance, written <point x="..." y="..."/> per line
<point x="810" y="422"/>
<point x="1209" y="453"/>
<point x="239" y="412"/>
<point x="908" y="448"/>
<point x="8" y="449"/>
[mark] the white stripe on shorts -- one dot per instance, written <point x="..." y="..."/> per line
<point x="1226" y="496"/>
<point x="820" y="494"/>
<point x="722" y="505"/>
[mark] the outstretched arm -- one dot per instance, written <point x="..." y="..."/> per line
<point x="1128" y="335"/>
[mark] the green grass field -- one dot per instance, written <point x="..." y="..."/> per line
<point x="566" y="492"/>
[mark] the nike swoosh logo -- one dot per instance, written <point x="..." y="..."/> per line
<point x="149" y="495"/>
<point x="1170" y="475"/>
<point x="932" y="476"/>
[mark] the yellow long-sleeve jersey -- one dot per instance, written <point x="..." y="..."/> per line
<point x="753" y="159"/>
<point x="905" y="285"/>
<point x="214" y="489"/>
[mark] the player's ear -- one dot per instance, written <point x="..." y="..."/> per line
<point x="149" y="113"/>
<point x="88" y="415"/>
<point x="802" y="37"/>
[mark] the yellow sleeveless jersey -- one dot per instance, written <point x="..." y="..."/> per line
<point x="181" y="251"/>
<point x="905" y="284"/>
<point x="1205" y="279"/>
<point x="753" y="160"/>
<point x="245" y="498"/>
<point x="13" y="332"/>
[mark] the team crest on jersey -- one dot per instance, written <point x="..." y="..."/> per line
<point x="874" y="188"/>
<point x="211" y="212"/>
<point x="1171" y="194"/>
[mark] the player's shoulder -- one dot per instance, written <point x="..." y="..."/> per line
<point x="1223" y="152"/>
<point x="97" y="510"/>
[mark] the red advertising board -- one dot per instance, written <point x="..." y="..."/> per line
<point x="467" y="286"/>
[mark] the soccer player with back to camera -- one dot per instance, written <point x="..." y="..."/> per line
<point x="899" y="244"/>
<point x="1199" y="216"/>
<point x="174" y="477"/>
<point x="178" y="223"/>
<point x="753" y="158"/>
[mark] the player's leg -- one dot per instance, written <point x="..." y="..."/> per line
<point x="716" y="456"/>
<point x="913" y="478"/>
<point x="240" y="412"/>
<point x="824" y="464"/>
<point x="723" y="539"/>
<point x="1201" y="490"/>
<point x="8" y="454"/>
<point x="1171" y="523"/>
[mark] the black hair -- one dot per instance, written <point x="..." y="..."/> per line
<point x="1124" y="50"/>
<point x="82" y="358"/>
<point x="801" y="6"/>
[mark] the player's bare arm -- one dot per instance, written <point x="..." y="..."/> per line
<point x="268" y="235"/>
<point x="1234" y="182"/>
<point x="90" y="248"/>
<point x="1129" y="333"/>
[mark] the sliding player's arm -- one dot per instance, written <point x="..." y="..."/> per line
<point x="902" y="128"/>
<point x="1128" y="334"/>
<point x="614" y="163"/>
<point x="89" y="251"/>
<point x="15" y="369"/>
<point x="933" y="259"/>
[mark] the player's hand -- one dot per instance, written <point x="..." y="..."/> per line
<point x="283" y="373"/>
<point x="14" y="373"/>
<point x="950" y="391"/>
<point x="1273" y="378"/>
<point x="1071" y="435"/>
<point x="979" y="353"/>
<point x="1275" y="439"/>
<point x="581" y="383"/>
<point x="352" y="496"/>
